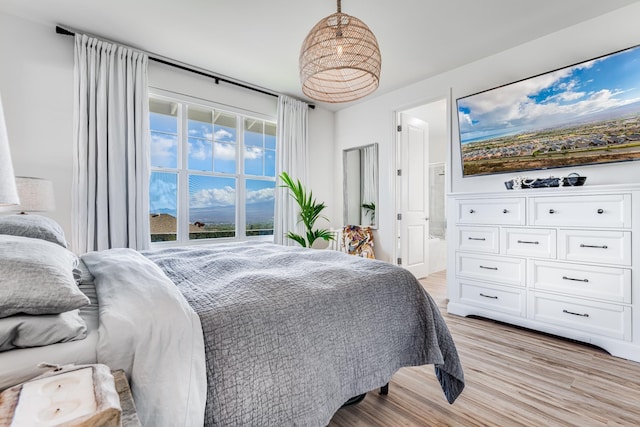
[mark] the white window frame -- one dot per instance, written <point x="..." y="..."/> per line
<point x="183" y="172"/>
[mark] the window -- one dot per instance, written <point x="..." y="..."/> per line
<point x="212" y="173"/>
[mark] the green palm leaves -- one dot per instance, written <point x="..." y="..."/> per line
<point x="310" y="211"/>
<point x="370" y="209"/>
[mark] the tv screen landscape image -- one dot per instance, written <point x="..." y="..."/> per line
<point x="587" y="113"/>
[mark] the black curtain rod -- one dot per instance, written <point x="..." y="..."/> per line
<point x="217" y="79"/>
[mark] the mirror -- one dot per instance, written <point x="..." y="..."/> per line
<point x="360" y="186"/>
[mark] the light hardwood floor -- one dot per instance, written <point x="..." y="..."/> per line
<point x="514" y="377"/>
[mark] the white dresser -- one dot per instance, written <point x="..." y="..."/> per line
<point x="561" y="260"/>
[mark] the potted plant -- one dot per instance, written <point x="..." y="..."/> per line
<point x="310" y="211"/>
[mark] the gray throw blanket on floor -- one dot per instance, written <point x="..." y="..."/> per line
<point x="291" y="334"/>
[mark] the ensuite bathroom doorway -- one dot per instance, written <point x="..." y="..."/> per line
<point x="421" y="152"/>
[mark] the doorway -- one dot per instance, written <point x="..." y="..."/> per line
<point x="421" y="152"/>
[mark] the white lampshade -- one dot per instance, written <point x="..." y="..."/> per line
<point x="36" y="194"/>
<point x="8" y="191"/>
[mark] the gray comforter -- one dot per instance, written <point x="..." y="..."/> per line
<point x="291" y="333"/>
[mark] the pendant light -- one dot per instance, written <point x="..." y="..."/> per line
<point x="339" y="60"/>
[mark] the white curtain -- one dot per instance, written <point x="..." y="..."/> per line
<point x="291" y="152"/>
<point x="110" y="205"/>
<point x="369" y="175"/>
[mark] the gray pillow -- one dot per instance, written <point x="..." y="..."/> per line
<point x="34" y="226"/>
<point x="22" y="331"/>
<point x="36" y="277"/>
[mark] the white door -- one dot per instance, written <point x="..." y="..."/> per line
<point x="413" y="180"/>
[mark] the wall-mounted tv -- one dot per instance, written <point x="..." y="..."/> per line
<point x="587" y="113"/>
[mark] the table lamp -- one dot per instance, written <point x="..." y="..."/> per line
<point x="36" y="195"/>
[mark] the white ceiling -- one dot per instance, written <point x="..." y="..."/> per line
<point x="258" y="41"/>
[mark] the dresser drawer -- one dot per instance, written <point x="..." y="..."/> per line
<point x="507" y="211"/>
<point x="606" y="211"/>
<point x="479" y="239"/>
<point x="535" y="242"/>
<point x="497" y="298"/>
<point x="491" y="268"/>
<point x="589" y="281"/>
<point x="609" y="320"/>
<point x="606" y="247"/>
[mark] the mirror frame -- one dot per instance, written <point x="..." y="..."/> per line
<point x="345" y="196"/>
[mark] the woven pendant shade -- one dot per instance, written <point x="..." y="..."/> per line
<point x="339" y="60"/>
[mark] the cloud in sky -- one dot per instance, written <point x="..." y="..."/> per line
<point x="509" y="105"/>
<point x="224" y="151"/>
<point x="548" y="100"/>
<point x="163" y="194"/>
<point x="223" y="135"/>
<point x="213" y="197"/>
<point x="199" y="150"/>
<point x="262" y="195"/>
<point x="202" y="131"/>
<point x="252" y="153"/>
<point x="226" y="196"/>
<point x="163" y="150"/>
<point x="567" y="96"/>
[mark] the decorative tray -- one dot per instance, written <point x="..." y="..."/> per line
<point x="569" y="181"/>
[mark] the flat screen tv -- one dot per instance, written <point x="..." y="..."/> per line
<point x="587" y="113"/>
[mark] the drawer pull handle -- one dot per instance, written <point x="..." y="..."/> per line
<point x="477" y="238"/>
<point x="488" y="268"/>
<point x="582" y="245"/>
<point x="505" y="210"/>
<point x="575" y="280"/>
<point x="471" y="211"/>
<point x="551" y="211"/>
<point x="600" y="211"/>
<point x="529" y="242"/>
<point x="576" y="314"/>
<point x="488" y="296"/>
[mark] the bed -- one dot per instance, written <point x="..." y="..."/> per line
<point x="249" y="333"/>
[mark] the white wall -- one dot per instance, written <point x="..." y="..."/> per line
<point x="36" y="83"/>
<point x="182" y="82"/>
<point x="374" y="119"/>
